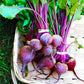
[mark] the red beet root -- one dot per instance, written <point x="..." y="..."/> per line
<point x="26" y="55"/>
<point x="57" y="40"/>
<point x="35" y="44"/>
<point x="71" y="64"/>
<point x="45" y="63"/>
<point x="46" y="39"/>
<point x="47" y="50"/>
<point x="60" y="69"/>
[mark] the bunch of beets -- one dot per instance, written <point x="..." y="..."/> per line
<point x="43" y="52"/>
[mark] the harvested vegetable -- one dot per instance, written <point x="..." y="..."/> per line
<point x="57" y="40"/>
<point x="46" y="39"/>
<point x="71" y="65"/>
<point x="53" y="18"/>
<point x="60" y="69"/>
<point x="45" y="63"/>
<point x="36" y="44"/>
<point x="47" y="50"/>
<point x="26" y="55"/>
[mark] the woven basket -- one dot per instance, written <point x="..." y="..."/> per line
<point x="77" y="29"/>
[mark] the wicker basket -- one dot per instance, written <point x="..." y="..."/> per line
<point x="67" y="78"/>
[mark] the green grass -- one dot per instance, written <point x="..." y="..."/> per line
<point x="7" y="30"/>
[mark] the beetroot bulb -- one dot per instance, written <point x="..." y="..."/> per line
<point x="71" y="65"/>
<point x="57" y="40"/>
<point x="45" y="64"/>
<point x="26" y="55"/>
<point x="47" y="50"/>
<point x="36" y="44"/>
<point x="60" y="69"/>
<point x="46" y="39"/>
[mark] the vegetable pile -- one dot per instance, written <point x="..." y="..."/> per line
<point x="46" y="25"/>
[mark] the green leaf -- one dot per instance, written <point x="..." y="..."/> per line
<point x="21" y="1"/>
<point x="79" y="10"/>
<point x="34" y="2"/>
<point x="82" y="3"/>
<point x="9" y="13"/>
<point x="51" y="4"/>
<point x="62" y="4"/>
<point x="68" y="10"/>
<point x="9" y="2"/>
<point x="74" y="8"/>
<point x="78" y="13"/>
<point x="69" y="3"/>
<point x="80" y="46"/>
<point x="43" y="1"/>
<point x="26" y="22"/>
<point x="22" y="29"/>
<point x="73" y="1"/>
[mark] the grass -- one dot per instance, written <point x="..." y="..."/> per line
<point x="7" y="30"/>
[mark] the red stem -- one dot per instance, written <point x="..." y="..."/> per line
<point x="68" y="29"/>
<point x="56" y="19"/>
<point x="64" y="26"/>
<point x="38" y="8"/>
<point x="77" y="76"/>
<point x="35" y="15"/>
<point x="52" y="23"/>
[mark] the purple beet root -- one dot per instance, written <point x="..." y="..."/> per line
<point x="46" y="39"/>
<point x="45" y="63"/>
<point x="26" y="55"/>
<point x="36" y="44"/>
<point x="71" y="65"/>
<point x="47" y="50"/>
<point x="57" y="40"/>
<point x="60" y="69"/>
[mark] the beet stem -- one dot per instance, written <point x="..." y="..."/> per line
<point x="77" y="76"/>
<point x="39" y="71"/>
<point x="49" y="75"/>
<point x="33" y="70"/>
<point x="23" y="68"/>
<point x="58" y="78"/>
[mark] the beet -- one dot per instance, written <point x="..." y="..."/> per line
<point x="26" y="55"/>
<point x="45" y="63"/>
<point x="36" y="44"/>
<point x="71" y="65"/>
<point x="46" y="39"/>
<point x="47" y="50"/>
<point x="60" y="69"/>
<point x="57" y="40"/>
